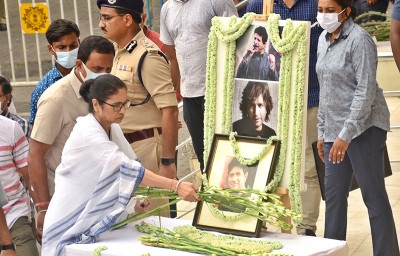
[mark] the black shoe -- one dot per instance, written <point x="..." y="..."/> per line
<point x="3" y="27"/>
<point x="309" y="232"/>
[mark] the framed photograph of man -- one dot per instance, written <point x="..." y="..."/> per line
<point x="225" y="171"/>
<point x="255" y="108"/>
<point x="256" y="59"/>
<point x="236" y="175"/>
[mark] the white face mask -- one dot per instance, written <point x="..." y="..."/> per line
<point x="329" y="21"/>
<point x="67" y="59"/>
<point x="90" y="74"/>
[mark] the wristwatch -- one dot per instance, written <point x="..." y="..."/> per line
<point x="7" y="247"/>
<point x="167" y="161"/>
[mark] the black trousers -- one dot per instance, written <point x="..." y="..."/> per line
<point x="193" y="115"/>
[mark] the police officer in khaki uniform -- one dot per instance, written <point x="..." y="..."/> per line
<point x="151" y="123"/>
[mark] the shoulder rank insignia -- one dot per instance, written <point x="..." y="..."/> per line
<point x="124" y="67"/>
<point x="131" y="46"/>
<point x="147" y="44"/>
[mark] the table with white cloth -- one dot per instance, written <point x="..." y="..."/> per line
<point x="125" y="241"/>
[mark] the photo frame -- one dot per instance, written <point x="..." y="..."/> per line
<point x="224" y="171"/>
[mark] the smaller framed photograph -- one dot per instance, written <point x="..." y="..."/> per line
<point x="224" y="171"/>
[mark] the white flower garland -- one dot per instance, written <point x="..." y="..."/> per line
<point x="255" y="159"/>
<point x="228" y="35"/>
<point x="292" y="37"/>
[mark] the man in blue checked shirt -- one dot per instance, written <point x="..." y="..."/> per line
<point x="63" y="38"/>
<point x="311" y="197"/>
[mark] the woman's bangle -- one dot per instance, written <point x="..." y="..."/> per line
<point x="41" y="211"/>
<point x="42" y="204"/>
<point x="177" y="185"/>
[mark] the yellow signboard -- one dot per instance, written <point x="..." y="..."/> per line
<point x="34" y="18"/>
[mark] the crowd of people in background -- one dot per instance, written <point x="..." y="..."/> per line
<point x="106" y="113"/>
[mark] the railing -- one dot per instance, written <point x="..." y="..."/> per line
<point x="29" y="49"/>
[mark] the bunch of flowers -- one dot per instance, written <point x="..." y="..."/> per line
<point x="376" y="24"/>
<point x="261" y="205"/>
<point x="190" y="239"/>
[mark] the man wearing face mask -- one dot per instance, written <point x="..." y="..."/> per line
<point x="254" y="64"/>
<point x="63" y="38"/>
<point x="58" y="108"/>
<point x="5" y="101"/>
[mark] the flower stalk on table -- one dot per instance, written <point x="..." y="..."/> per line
<point x="261" y="205"/>
<point x="190" y="239"/>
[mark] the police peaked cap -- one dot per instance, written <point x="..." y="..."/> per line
<point x="134" y="6"/>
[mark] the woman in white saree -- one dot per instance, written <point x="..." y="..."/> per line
<point x="99" y="172"/>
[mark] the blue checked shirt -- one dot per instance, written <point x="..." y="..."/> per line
<point x="351" y="100"/>
<point x="301" y="10"/>
<point x="50" y="78"/>
<point x="21" y="121"/>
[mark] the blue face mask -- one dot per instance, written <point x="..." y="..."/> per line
<point x="67" y="59"/>
<point x="90" y="74"/>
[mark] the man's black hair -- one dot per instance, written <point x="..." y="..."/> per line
<point x="97" y="44"/>
<point x="262" y="32"/>
<point x="5" y="85"/>
<point x="136" y="17"/>
<point x="60" y="28"/>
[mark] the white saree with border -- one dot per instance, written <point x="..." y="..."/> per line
<point x="95" y="181"/>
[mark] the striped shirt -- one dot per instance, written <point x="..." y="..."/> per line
<point x="301" y="10"/>
<point x="13" y="155"/>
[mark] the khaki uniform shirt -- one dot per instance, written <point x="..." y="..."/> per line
<point x="58" y="108"/>
<point x="156" y="76"/>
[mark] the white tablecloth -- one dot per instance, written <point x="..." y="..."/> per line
<point x="124" y="242"/>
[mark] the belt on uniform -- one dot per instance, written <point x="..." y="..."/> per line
<point x="141" y="135"/>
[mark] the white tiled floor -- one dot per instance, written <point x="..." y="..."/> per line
<point x="358" y="229"/>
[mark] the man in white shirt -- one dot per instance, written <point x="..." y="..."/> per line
<point x="184" y="29"/>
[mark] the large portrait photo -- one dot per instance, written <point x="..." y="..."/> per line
<point x="225" y="171"/>
<point x="255" y="57"/>
<point x="255" y="108"/>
